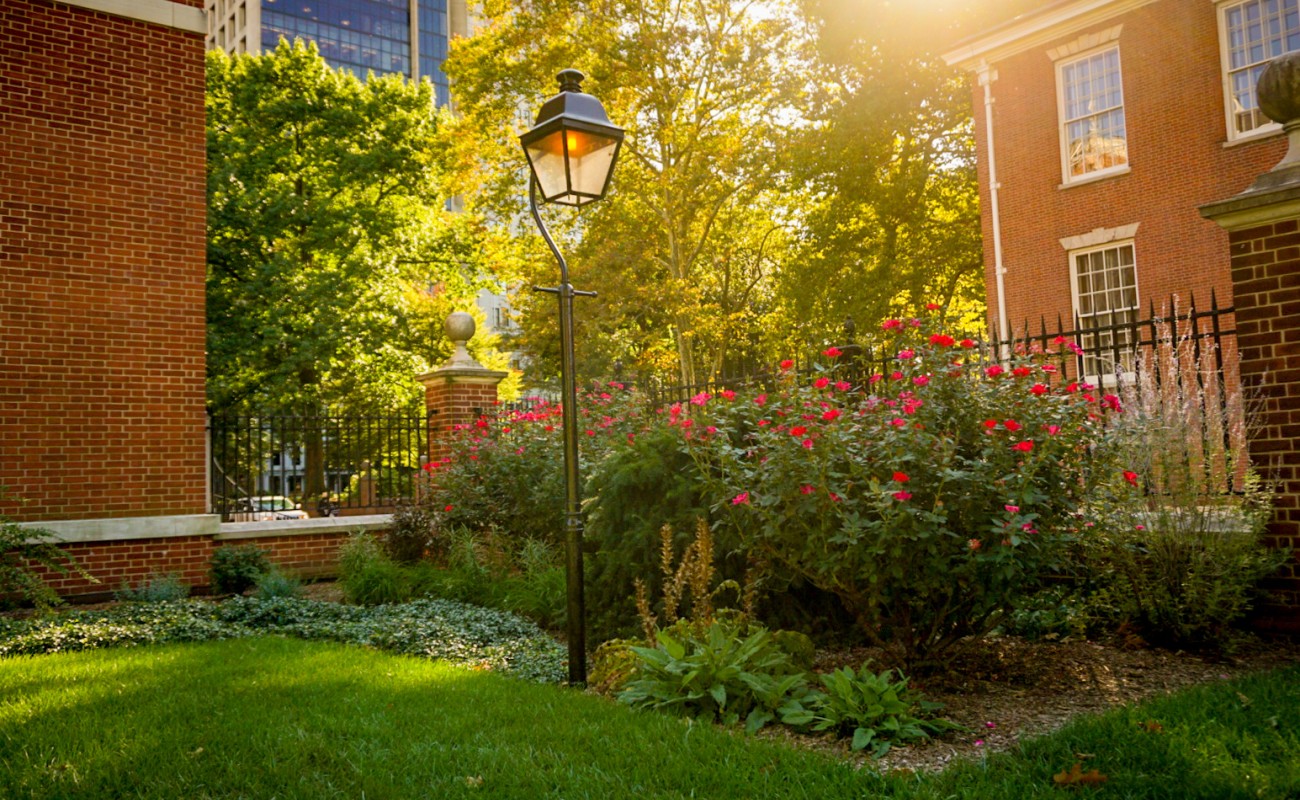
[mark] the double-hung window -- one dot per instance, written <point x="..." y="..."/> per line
<point x="1254" y="32"/>
<point x="1106" y="304"/>
<point x="1093" y="137"/>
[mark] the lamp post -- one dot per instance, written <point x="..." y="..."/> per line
<point x="571" y="152"/>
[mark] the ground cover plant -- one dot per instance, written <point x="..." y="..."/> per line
<point x="269" y="716"/>
<point x="435" y="629"/>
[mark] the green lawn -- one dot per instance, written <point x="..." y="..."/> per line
<point x="281" y="718"/>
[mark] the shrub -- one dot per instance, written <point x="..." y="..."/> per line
<point x="414" y="533"/>
<point x="277" y="584"/>
<point x="538" y="588"/>
<point x="1184" y="575"/>
<point x="612" y="666"/>
<point x="21" y="548"/>
<point x="236" y="569"/>
<point x="634" y="492"/>
<point x="503" y="474"/>
<point x="1176" y="550"/>
<point x="930" y="501"/>
<point x="368" y="576"/>
<point x="876" y="709"/>
<point x="154" y="589"/>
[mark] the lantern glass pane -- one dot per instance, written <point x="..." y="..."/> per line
<point x="591" y="157"/>
<point x="547" y="158"/>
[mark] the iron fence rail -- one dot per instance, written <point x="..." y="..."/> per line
<point x="320" y="464"/>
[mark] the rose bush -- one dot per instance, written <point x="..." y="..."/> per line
<point x="504" y="474"/>
<point x="930" y="500"/>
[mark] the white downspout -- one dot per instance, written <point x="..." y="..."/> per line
<point x="986" y="78"/>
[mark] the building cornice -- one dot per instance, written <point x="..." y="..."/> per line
<point x="158" y="12"/>
<point x="1036" y="31"/>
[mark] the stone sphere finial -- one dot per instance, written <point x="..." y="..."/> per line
<point x="1278" y="89"/>
<point x="460" y="329"/>
<point x="1278" y="93"/>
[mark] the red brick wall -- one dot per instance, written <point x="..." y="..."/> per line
<point x="1173" y="104"/>
<point x="1266" y="271"/>
<point x="101" y="264"/>
<point x="188" y="558"/>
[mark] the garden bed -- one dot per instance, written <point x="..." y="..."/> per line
<point x="1006" y="689"/>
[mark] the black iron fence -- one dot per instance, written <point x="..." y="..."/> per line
<point x="280" y="466"/>
<point x="264" y="466"/>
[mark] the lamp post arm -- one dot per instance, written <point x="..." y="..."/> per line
<point x="546" y="234"/>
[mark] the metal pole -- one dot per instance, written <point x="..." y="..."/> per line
<point x="576" y="624"/>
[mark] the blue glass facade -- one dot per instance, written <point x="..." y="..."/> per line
<point x="433" y="45"/>
<point x="364" y="35"/>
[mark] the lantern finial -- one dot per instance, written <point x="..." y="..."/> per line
<point x="570" y="80"/>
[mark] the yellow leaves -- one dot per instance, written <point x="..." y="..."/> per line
<point x="1075" y="776"/>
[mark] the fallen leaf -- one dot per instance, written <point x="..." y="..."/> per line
<point x="1151" y="726"/>
<point x="1075" y="776"/>
<point x="474" y="781"/>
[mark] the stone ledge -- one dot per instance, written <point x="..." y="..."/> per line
<point x="117" y="529"/>
<point x="234" y="531"/>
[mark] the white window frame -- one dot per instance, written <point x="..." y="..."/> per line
<point x="1093" y="353"/>
<point x="1063" y="122"/>
<point x="1267" y="127"/>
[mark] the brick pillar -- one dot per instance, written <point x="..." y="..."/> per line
<point x="461" y="390"/>
<point x="1263" y="225"/>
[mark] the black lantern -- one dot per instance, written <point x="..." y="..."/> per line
<point x="572" y="148"/>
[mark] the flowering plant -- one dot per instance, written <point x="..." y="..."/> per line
<point x="504" y="473"/>
<point x="930" y="499"/>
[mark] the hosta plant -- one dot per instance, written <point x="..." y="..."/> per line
<point x="728" y="672"/>
<point x="876" y="709"/>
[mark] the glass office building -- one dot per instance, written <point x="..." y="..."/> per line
<point x="407" y="37"/>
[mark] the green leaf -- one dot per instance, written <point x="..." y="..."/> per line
<point x="719" y="694"/>
<point x="673" y="647"/>
<point x="862" y="737"/>
<point x="757" y="719"/>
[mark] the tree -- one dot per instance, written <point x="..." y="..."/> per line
<point x="331" y="250"/>
<point x="690" y="236"/>
<point x="890" y="157"/>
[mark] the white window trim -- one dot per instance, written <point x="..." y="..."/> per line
<point x="1263" y="131"/>
<point x="1103" y="240"/>
<point x="1067" y="179"/>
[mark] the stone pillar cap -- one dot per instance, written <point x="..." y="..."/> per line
<point x="460" y="329"/>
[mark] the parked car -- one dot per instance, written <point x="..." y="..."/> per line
<point x="269" y="507"/>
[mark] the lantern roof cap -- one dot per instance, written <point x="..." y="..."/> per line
<point x="573" y="105"/>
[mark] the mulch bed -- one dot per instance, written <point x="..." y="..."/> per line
<point x="1003" y="690"/>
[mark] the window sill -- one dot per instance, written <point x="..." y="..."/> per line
<point x="1100" y="176"/>
<point x="1255" y="136"/>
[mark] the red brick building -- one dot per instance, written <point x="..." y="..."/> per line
<point x="1101" y="126"/>
<point x="102" y="204"/>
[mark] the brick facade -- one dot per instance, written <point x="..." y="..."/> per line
<point x="1266" y="272"/>
<point x="102" y="204"/>
<point x="1176" y="134"/>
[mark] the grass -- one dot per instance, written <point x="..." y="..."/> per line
<point x="271" y="717"/>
